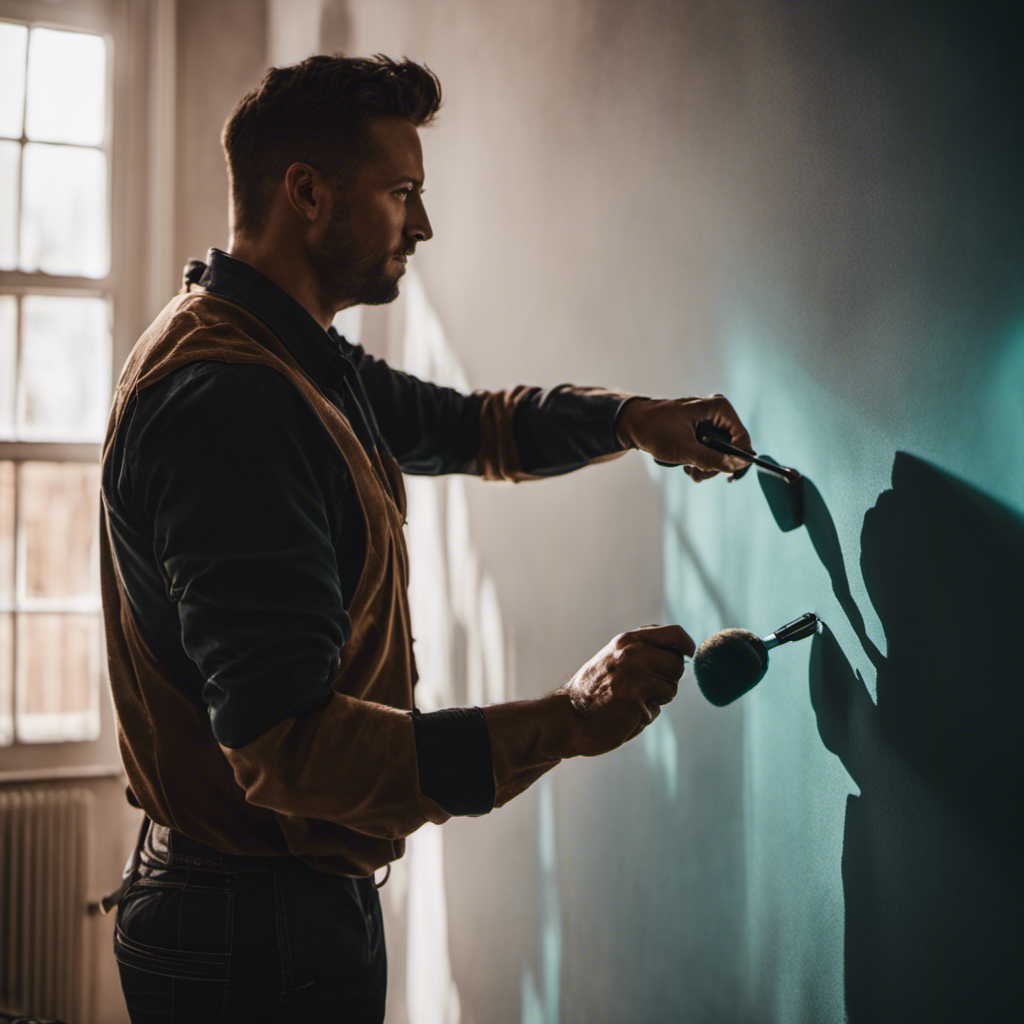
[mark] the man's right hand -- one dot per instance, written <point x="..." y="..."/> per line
<point x="622" y="688"/>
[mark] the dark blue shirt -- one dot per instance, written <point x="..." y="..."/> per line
<point x="239" y="537"/>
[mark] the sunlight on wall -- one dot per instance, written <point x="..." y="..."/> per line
<point x="461" y="647"/>
<point x="541" y="1006"/>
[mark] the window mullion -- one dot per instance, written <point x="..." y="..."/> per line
<point x="51" y="451"/>
<point x="21" y="173"/>
<point x="18" y="320"/>
<point x="22" y="281"/>
<point x="18" y="348"/>
<point x="16" y="652"/>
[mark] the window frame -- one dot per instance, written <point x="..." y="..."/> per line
<point x="128" y="28"/>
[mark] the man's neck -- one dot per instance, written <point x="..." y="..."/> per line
<point x="289" y="270"/>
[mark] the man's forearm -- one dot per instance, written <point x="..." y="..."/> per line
<point x="529" y="433"/>
<point x="528" y="738"/>
<point x="631" y="411"/>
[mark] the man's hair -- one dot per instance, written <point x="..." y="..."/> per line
<point x="317" y="112"/>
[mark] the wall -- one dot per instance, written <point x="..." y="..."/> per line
<point x="221" y="55"/>
<point x="814" y="209"/>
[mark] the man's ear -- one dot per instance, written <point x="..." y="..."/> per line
<point x="306" y="190"/>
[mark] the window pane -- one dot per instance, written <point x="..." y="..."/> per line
<point x="13" y="39"/>
<point x="64" y="383"/>
<point x="66" y="87"/>
<point x="6" y="535"/>
<point x="58" y="552"/>
<point x="8" y="348"/>
<point x="58" y="672"/>
<point x="6" y="679"/>
<point x="10" y="157"/>
<point x="64" y="211"/>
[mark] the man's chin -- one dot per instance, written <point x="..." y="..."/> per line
<point x="381" y="296"/>
<point x="381" y="286"/>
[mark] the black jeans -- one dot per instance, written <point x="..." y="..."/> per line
<point x="204" y="937"/>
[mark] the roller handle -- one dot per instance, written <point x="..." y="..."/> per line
<point x="805" y="626"/>
<point x="721" y="441"/>
<point x="714" y="437"/>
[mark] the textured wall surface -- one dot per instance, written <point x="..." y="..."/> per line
<point x="816" y="209"/>
<point x="221" y="55"/>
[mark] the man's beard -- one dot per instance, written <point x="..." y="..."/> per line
<point x="379" y="289"/>
<point x="351" y="273"/>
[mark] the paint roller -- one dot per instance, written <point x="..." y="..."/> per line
<point x="734" y="661"/>
<point x="783" y="486"/>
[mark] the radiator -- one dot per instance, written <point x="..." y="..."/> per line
<point x="43" y="876"/>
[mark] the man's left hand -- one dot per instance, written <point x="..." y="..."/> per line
<point x="667" y="429"/>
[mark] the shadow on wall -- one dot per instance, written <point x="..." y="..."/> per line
<point x="932" y="847"/>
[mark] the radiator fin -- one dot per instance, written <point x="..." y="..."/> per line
<point x="43" y="900"/>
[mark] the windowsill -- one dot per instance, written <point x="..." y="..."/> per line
<point x="68" y="774"/>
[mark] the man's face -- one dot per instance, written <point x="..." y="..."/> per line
<point x="377" y="219"/>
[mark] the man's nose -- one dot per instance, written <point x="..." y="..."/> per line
<point x="418" y="223"/>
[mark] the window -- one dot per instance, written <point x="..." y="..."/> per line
<point x="56" y="310"/>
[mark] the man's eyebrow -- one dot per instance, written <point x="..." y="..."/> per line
<point x="418" y="182"/>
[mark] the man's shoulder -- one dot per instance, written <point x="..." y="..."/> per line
<point x="238" y="416"/>
<point x="203" y="349"/>
<point x="219" y="389"/>
<point x="197" y="320"/>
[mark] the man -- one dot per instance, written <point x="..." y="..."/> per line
<point x="254" y="572"/>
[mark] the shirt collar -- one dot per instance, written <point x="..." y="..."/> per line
<point x="313" y="348"/>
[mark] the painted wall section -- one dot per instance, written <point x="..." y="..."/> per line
<point x="815" y="209"/>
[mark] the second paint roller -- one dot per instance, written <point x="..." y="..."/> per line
<point x="734" y="661"/>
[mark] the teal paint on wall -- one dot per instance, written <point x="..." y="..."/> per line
<point x="876" y="839"/>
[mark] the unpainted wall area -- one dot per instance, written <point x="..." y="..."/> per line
<point x="815" y="209"/>
<point x="221" y="55"/>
